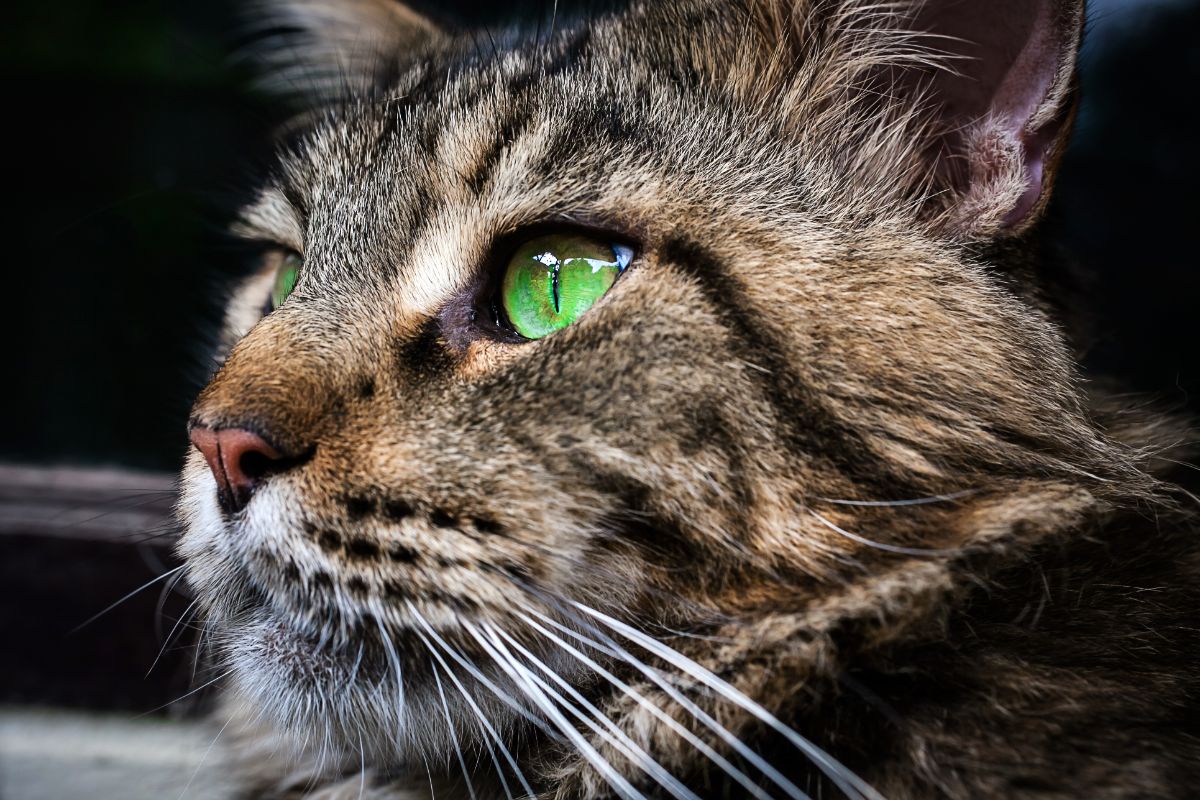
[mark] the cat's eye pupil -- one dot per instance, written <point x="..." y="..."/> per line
<point x="552" y="280"/>
<point x="286" y="276"/>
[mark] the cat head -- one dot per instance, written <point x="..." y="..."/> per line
<point x="656" y="315"/>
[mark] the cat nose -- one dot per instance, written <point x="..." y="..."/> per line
<point x="239" y="460"/>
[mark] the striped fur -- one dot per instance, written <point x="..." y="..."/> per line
<point x="826" y="440"/>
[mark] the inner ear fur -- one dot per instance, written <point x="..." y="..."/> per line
<point x="983" y="92"/>
<point x="322" y="50"/>
<point x="1003" y="106"/>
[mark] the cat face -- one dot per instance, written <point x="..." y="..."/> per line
<point x="808" y="313"/>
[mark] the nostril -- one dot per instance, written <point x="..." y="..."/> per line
<point x="255" y="464"/>
<point x="239" y="460"/>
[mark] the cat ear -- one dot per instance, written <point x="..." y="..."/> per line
<point x="325" y="49"/>
<point x="1002" y="107"/>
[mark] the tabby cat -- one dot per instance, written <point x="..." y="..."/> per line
<point x="679" y="403"/>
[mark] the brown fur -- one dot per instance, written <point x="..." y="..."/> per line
<point x="828" y="313"/>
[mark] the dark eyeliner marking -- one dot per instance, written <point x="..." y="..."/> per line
<point x="425" y="353"/>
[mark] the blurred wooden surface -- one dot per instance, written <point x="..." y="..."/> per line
<point x="73" y="542"/>
<point x="100" y="504"/>
<point x="60" y="755"/>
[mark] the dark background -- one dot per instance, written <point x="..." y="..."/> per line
<point x="130" y="133"/>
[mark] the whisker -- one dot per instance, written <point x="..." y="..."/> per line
<point x="844" y="779"/>
<point x="706" y="719"/>
<point x="203" y="758"/>
<point x="627" y="746"/>
<point x="204" y="640"/>
<point x="570" y="708"/>
<point x="917" y="501"/>
<point x="520" y="676"/>
<point x="394" y="658"/>
<point x="890" y="548"/>
<point x="475" y="673"/>
<point x="429" y="775"/>
<point x="453" y="733"/>
<point x="163" y="594"/>
<point x="119" y="502"/>
<point x="354" y="669"/>
<point x="362" y="767"/>
<point x="143" y="587"/>
<point x="170" y="636"/>
<point x="186" y="695"/>
<point x="735" y="773"/>
<point x="491" y="731"/>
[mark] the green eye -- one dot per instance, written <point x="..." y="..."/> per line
<point x="552" y="280"/>
<point x="285" y="279"/>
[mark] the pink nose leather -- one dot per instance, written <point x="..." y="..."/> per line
<point x="239" y="460"/>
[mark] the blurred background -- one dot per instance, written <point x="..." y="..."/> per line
<point x="132" y="134"/>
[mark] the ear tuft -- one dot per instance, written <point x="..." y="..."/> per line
<point x="320" y="50"/>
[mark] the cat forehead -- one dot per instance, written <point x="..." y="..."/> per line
<point x="492" y="148"/>
<point x="519" y="147"/>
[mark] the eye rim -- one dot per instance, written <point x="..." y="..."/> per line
<point x="275" y="258"/>
<point x="489" y="309"/>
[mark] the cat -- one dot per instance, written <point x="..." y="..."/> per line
<point x="678" y="403"/>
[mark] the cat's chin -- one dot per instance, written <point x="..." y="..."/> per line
<point x="315" y="694"/>
<point x="277" y="652"/>
<point x="343" y="699"/>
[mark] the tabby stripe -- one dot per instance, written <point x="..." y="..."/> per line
<point x="810" y="426"/>
<point x="511" y="128"/>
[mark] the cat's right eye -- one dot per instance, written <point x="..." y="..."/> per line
<point x="286" y="275"/>
<point x="552" y="280"/>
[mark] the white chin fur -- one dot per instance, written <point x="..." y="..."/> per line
<point x="329" y="706"/>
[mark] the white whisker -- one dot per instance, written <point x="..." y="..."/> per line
<point x="488" y="683"/>
<point x="520" y="676"/>
<point x="143" y="587"/>
<point x="362" y="767"/>
<point x="890" y="548"/>
<point x="453" y="733"/>
<point x="429" y="775"/>
<point x="626" y="744"/>
<point x="688" y="705"/>
<point x="186" y="695"/>
<point x="917" y="501"/>
<point x="170" y="635"/>
<point x="844" y="779"/>
<point x="394" y="658"/>
<point x="491" y="731"/>
<point x="735" y="773"/>
<point x="203" y="758"/>
<point x="357" y="663"/>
